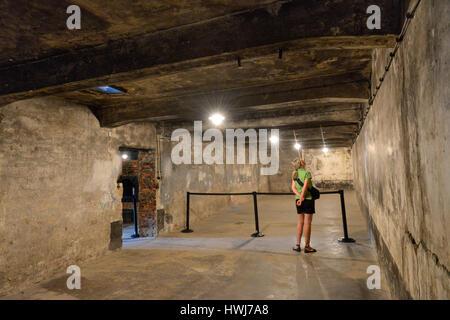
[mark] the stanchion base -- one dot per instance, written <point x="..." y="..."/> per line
<point x="346" y="240"/>
<point x="257" y="235"/>
<point x="187" y="230"/>
<point x="134" y="236"/>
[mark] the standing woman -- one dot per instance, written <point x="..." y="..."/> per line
<point x="304" y="203"/>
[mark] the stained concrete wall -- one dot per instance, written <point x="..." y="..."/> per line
<point x="332" y="170"/>
<point x="179" y="179"/>
<point x="401" y="162"/>
<point x="58" y="195"/>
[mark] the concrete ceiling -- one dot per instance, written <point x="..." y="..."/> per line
<point x="286" y="64"/>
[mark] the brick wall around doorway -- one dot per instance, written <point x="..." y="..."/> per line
<point x="144" y="169"/>
<point x="147" y="194"/>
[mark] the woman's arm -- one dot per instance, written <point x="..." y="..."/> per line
<point x="294" y="189"/>
<point x="305" y="188"/>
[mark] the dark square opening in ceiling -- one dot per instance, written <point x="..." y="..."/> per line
<point x="110" y="90"/>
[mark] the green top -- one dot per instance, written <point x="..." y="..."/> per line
<point x="303" y="175"/>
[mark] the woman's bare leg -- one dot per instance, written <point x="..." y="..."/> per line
<point x="307" y="223"/>
<point x="300" y="222"/>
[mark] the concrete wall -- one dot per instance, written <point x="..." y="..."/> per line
<point x="178" y="179"/>
<point x="401" y="159"/>
<point x="58" y="196"/>
<point x="329" y="171"/>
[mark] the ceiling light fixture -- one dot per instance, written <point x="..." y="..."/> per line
<point x="274" y="139"/>
<point x="216" y="119"/>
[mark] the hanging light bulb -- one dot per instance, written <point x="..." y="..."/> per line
<point x="297" y="145"/>
<point x="274" y="139"/>
<point x="124" y="156"/>
<point x="325" y="149"/>
<point x="217" y="119"/>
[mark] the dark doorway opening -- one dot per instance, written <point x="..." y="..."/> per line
<point x="139" y="193"/>
<point x="130" y="199"/>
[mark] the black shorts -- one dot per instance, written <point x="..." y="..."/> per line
<point x="306" y="207"/>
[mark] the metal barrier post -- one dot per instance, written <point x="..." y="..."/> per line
<point x="344" y="219"/>
<point x="255" y="207"/>
<point x="187" y="230"/>
<point x="136" y="233"/>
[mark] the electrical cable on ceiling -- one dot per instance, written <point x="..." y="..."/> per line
<point x="296" y="143"/>
<point x="325" y="149"/>
<point x="323" y="139"/>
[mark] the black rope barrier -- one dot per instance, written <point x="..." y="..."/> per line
<point x="255" y="194"/>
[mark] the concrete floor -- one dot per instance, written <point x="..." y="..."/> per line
<point x="221" y="261"/>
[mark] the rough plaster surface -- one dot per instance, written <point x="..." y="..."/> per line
<point x="58" y="195"/>
<point x="400" y="159"/>
<point x="329" y="171"/>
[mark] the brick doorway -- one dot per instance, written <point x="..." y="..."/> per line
<point x="138" y="172"/>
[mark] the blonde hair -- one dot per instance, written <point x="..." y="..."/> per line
<point x="297" y="163"/>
